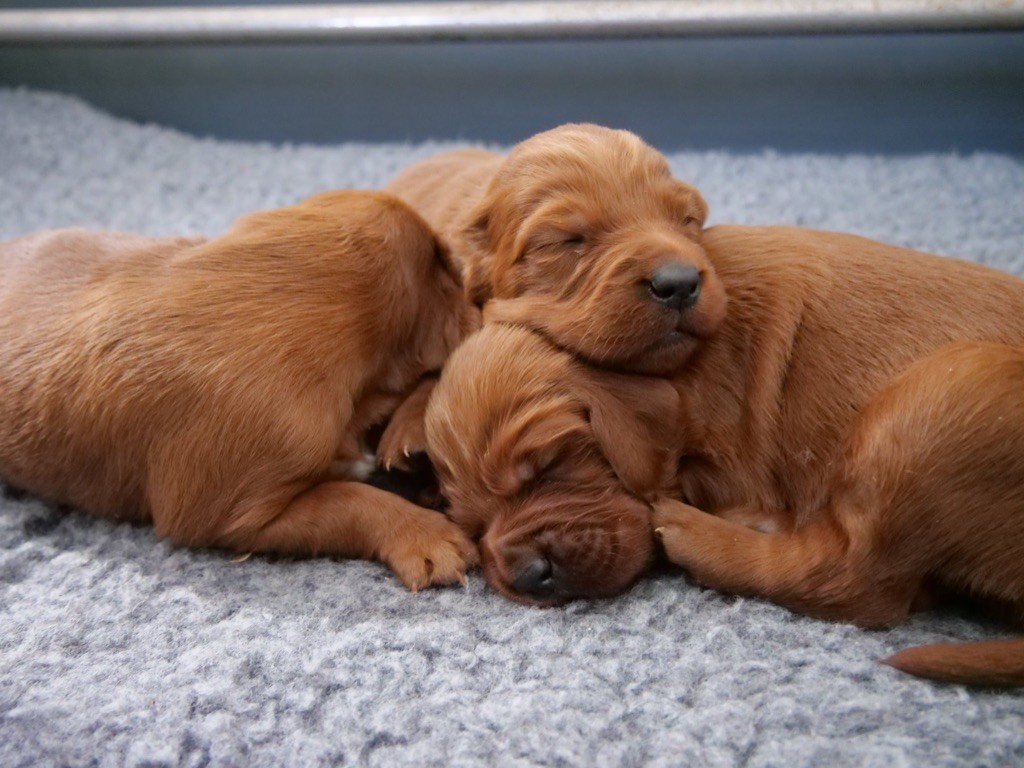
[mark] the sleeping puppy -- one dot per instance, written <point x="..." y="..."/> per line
<point x="855" y="427"/>
<point x="582" y="234"/>
<point x="844" y="409"/>
<point x="578" y="224"/>
<point x="221" y="388"/>
<point x="928" y="498"/>
<point x="547" y="462"/>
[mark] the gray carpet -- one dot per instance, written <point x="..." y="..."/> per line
<point x="117" y="649"/>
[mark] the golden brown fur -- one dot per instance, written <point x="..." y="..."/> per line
<point x="927" y="499"/>
<point x="221" y="388"/>
<point x="838" y="407"/>
<point x="543" y="459"/>
<point x="573" y="235"/>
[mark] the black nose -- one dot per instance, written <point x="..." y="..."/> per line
<point x="536" y="577"/>
<point x="677" y="286"/>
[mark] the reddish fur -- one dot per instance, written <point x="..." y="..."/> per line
<point x="563" y="236"/>
<point x="832" y="409"/>
<point x="861" y="402"/>
<point x="539" y="454"/>
<point x="214" y="386"/>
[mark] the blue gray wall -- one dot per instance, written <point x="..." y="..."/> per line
<point x="876" y="93"/>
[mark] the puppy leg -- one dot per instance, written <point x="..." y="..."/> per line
<point x="348" y="519"/>
<point x="817" y="570"/>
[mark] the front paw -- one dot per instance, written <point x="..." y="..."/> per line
<point x="433" y="551"/>
<point x="405" y="433"/>
<point x="398" y="444"/>
<point x="674" y="524"/>
<point x="714" y="552"/>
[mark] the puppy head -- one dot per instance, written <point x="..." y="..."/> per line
<point x="547" y="462"/>
<point x="585" y="236"/>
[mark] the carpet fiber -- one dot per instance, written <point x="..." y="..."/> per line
<point x="117" y="649"/>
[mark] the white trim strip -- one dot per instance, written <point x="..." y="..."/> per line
<point x="425" y="22"/>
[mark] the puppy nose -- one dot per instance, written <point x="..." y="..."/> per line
<point x="536" y="577"/>
<point x="677" y="286"/>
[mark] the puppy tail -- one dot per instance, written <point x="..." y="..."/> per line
<point x="994" y="663"/>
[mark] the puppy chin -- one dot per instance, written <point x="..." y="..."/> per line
<point x="653" y="345"/>
<point x="677" y="338"/>
<point x="664" y="357"/>
<point x="660" y="348"/>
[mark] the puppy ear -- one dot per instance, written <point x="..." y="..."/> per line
<point x="478" y="250"/>
<point x="526" y="446"/>
<point x="635" y="421"/>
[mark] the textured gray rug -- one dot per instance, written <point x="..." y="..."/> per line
<point x="116" y="649"/>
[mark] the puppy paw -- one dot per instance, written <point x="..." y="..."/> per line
<point x="405" y="433"/>
<point x="674" y="523"/>
<point x="717" y="553"/>
<point x="432" y="552"/>
<point x="399" y="444"/>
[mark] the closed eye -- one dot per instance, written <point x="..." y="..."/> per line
<point x="560" y="240"/>
<point x="557" y="242"/>
<point x="691" y="225"/>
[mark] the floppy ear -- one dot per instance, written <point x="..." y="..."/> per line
<point x="635" y="420"/>
<point x="478" y="254"/>
<point x="528" y="444"/>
